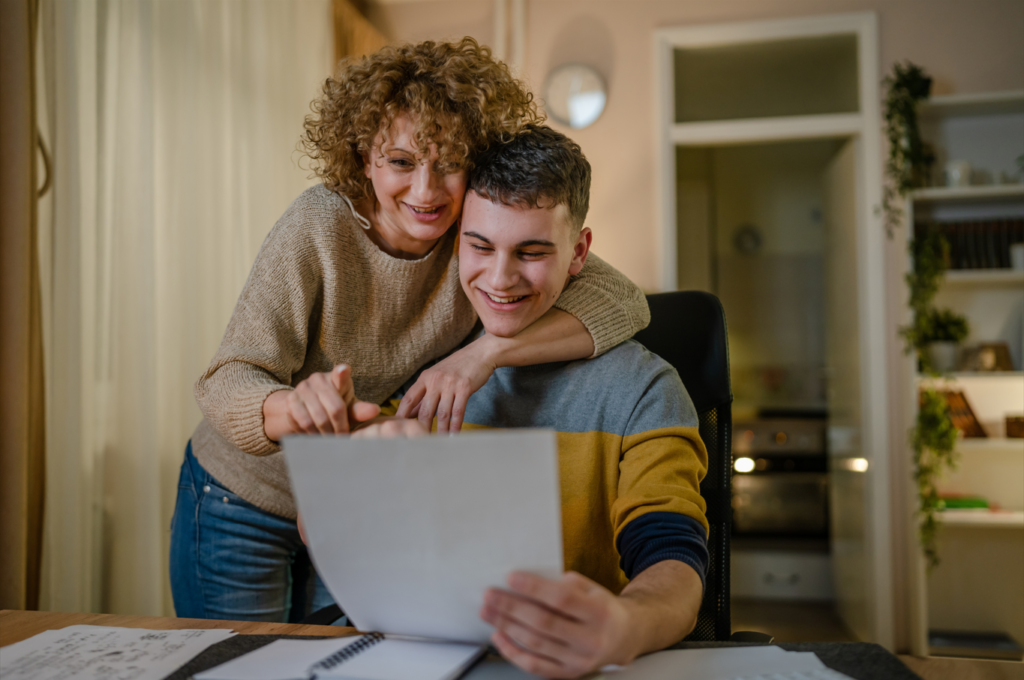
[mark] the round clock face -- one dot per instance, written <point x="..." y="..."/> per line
<point x="574" y="95"/>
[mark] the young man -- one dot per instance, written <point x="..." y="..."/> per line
<point x="630" y="456"/>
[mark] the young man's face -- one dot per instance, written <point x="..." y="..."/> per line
<point x="514" y="262"/>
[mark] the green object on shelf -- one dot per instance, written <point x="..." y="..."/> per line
<point x="963" y="503"/>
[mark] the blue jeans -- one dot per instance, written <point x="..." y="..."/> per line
<point x="230" y="560"/>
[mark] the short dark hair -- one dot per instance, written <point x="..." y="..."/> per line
<point x="538" y="163"/>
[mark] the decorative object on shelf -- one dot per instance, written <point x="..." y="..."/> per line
<point x="933" y="439"/>
<point x="910" y="159"/>
<point x="949" y="501"/>
<point x="979" y="244"/>
<point x="958" y="173"/>
<point x="1015" y="427"/>
<point x="962" y="415"/>
<point x="575" y="95"/>
<point x="987" y="356"/>
<point x="941" y="355"/>
<point x="939" y="331"/>
<point x="1017" y="257"/>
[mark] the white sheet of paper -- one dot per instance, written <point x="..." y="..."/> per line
<point x="721" y="663"/>
<point x="104" y="653"/>
<point x="407" y="534"/>
<point x="280" y="660"/>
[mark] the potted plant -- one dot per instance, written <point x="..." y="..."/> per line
<point x="941" y="330"/>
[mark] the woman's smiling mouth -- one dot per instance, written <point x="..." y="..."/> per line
<point x="504" y="300"/>
<point x="426" y="213"/>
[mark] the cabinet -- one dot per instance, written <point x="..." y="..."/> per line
<point x="987" y="131"/>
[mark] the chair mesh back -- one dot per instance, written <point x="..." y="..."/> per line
<point x="713" y="620"/>
<point x="688" y="331"/>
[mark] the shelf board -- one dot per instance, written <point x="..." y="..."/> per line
<point x="972" y="445"/>
<point x="982" y="518"/>
<point x="984" y="276"/>
<point x="975" y="193"/>
<point x="973" y="104"/>
<point x="952" y="377"/>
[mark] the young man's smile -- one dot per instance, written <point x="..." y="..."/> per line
<point x="514" y="261"/>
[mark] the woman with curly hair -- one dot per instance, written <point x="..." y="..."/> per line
<point x="355" y="288"/>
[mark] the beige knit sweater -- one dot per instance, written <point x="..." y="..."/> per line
<point x="321" y="293"/>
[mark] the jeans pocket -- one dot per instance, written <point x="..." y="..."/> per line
<point x="186" y="478"/>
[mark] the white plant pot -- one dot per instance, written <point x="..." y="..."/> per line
<point x="942" y="356"/>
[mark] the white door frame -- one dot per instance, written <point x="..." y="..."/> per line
<point x="864" y="125"/>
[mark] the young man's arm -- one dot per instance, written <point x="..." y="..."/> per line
<point x="571" y="626"/>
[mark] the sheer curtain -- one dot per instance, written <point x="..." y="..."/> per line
<point x="173" y="128"/>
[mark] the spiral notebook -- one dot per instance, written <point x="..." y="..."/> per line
<point x="367" y="657"/>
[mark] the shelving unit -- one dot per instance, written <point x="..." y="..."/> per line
<point x="988" y="132"/>
<point x="988" y="444"/>
<point x="985" y="277"/>
<point x="962" y="194"/>
<point x="983" y="518"/>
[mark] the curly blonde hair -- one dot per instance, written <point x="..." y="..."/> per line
<point x="459" y="96"/>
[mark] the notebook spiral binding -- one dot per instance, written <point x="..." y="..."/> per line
<point x="343" y="655"/>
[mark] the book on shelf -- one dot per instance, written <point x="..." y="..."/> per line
<point x="978" y="244"/>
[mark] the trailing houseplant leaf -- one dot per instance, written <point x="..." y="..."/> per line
<point x="933" y="439"/>
<point x="910" y="158"/>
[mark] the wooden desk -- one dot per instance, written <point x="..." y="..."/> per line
<point x="16" y="626"/>
<point x="19" y="625"/>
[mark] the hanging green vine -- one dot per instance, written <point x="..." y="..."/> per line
<point x="910" y="159"/>
<point x="929" y="252"/>
<point x="933" y="437"/>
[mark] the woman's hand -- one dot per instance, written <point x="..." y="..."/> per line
<point x="444" y="388"/>
<point x="559" y="628"/>
<point x="323" y="403"/>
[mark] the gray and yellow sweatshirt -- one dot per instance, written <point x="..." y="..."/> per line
<point x="630" y="457"/>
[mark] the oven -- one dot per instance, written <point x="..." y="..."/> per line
<point x="780" y="479"/>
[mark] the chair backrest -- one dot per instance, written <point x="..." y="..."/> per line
<point x="688" y="331"/>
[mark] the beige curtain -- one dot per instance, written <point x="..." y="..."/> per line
<point x="21" y="400"/>
<point x="173" y="127"/>
<point x="354" y="36"/>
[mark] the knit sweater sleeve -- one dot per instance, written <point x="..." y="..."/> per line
<point x="266" y="339"/>
<point x="611" y="306"/>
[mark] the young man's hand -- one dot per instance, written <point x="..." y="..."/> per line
<point x="559" y="628"/>
<point x="323" y="403"/>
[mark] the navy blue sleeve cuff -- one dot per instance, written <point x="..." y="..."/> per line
<point x="659" y="536"/>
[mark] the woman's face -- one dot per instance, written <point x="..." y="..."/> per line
<point x="416" y="201"/>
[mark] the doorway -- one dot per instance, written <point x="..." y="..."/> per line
<point x="771" y="167"/>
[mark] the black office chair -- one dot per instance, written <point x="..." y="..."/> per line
<point x="688" y="331"/>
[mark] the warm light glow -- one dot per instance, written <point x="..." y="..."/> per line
<point x="743" y="464"/>
<point x="853" y="464"/>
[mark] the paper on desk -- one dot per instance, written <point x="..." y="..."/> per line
<point x="104" y="653"/>
<point x="408" y="534"/>
<point x="280" y="660"/>
<point x="720" y="663"/>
